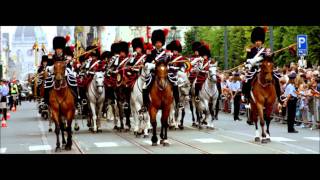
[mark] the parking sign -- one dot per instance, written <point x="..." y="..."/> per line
<point x="302" y="43"/>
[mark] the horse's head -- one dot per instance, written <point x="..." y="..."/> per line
<point x="59" y="70"/>
<point x="213" y="72"/>
<point x="99" y="81"/>
<point x="161" y="70"/>
<point x="266" y="69"/>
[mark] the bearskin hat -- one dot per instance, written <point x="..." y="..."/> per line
<point x="68" y="51"/>
<point x="94" y="52"/>
<point x="124" y="47"/>
<point x="204" y="50"/>
<point x="115" y="49"/>
<point x="257" y="34"/>
<point x="176" y="45"/>
<point x="59" y="42"/>
<point x="106" y="54"/>
<point x="195" y="46"/>
<point x="44" y="59"/>
<point x="137" y="42"/>
<point x="159" y="35"/>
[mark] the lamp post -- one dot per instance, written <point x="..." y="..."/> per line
<point x="225" y="48"/>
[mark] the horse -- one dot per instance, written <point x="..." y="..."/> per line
<point x="62" y="104"/>
<point x="161" y="94"/>
<point x="96" y="97"/>
<point x="141" y="121"/>
<point x="184" y="92"/>
<point x="263" y="97"/>
<point x="207" y="95"/>
<point x="110" y="83"/>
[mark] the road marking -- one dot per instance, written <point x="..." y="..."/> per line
<point x="106" y="144"/>
<point x="40" y="148"/>
<point x="149" y="142"/>
<point x="43" y="135"/>
<point x="281" y="139"/>
<point x="313" y="138"/>
<point x="208" y="140"/>
<point x="3" y="150"/>
<point x="291" y="145"/>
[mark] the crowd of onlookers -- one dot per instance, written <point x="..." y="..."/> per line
<point x="307" y="84"/>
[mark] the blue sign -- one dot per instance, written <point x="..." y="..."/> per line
<point x="302" y="45"/>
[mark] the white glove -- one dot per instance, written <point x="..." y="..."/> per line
<point x="150" y="66"/>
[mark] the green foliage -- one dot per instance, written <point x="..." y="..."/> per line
<point x="239" y="38"/>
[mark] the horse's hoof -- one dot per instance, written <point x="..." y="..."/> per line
<point x="256" y="139"/>
<point x="68" y="148"/>
<point x="58" y="149"/>
<point x="154" y="144"/>
<point x="76" y="128"/>
<point x="99" y="131"/>
<point x="50" y="130"/>
<point x="145" y="136"/>
<point x="264" y="141"/>
<point x="268" y="140"/>
<point x="181" y="127"/>
<point x="194" y="124"/>
<point x="166" y="144"/>
<point x="161" y="141"/>
<point x="115" y="128"/>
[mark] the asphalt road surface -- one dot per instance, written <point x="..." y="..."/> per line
<point x="27" y="133"/>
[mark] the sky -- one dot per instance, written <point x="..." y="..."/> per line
<point x="50" y="31"/>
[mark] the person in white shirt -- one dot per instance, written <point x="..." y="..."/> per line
<point x="235" y="87"/>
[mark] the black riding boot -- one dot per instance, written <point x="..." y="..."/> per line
<point x="197" y="90"/>
<point x="75" y="95"/>
<point x="176" y="97"/>
<point x="278" y="90"/>
<point x="146" y="100"/>
<point x="46" y="95"/>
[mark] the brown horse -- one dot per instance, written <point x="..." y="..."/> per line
<point x="263" y="98"/>
<point x="161" y="98"/>
<point x="61" y="105"/>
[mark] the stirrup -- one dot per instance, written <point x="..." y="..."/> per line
<point x="84" y="101"/>
<point x="143" y="109"/>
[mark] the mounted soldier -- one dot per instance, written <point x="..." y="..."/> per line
<point x="59" y="45"/>
<point x="254" y="56"/>
<point x="158" y="39"/>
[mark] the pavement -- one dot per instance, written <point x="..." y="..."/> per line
<point x="27" y="133"/>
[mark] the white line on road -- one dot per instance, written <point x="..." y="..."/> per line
<point x="245" y="142"/>
<point x="40" y="148"/>
<point x="281" y="139"/>
<point x="291" y="145"/>
<point x="313" y="138"/>
<point x="3" y="150"/>
<point x="106" y="144"/>
<point x="208" y="140"/>
<point x="43" y="134"/>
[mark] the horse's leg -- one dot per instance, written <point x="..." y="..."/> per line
<point x="153" y="120"/>
<point x="183" y="112"/>
<point x="268" y="120"/>
<point x="101" y="105"/>
<point x="191" y="109"/>
<point x="57" y="130"/>
<point x="120" y="105"/>
<point x="261" y="118"/>
<point x="254" y="119"/>
<point x="94" y="116"/>
<point x="62" y="128"/>
<point x="69" y="132"/>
